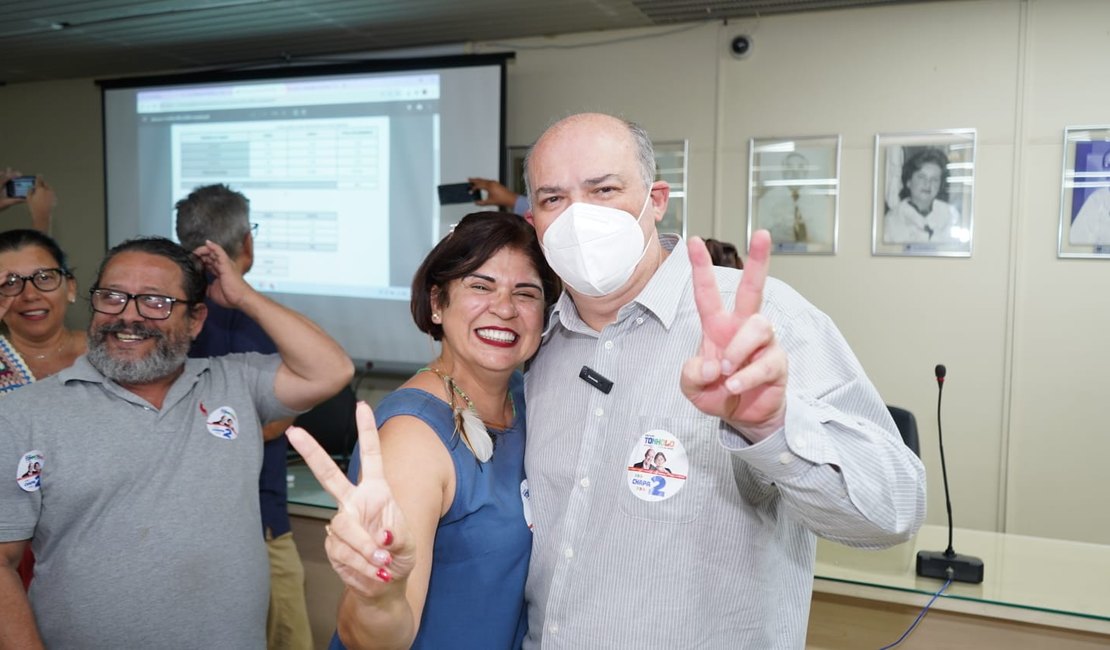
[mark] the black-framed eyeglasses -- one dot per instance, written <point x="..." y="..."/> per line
<point x="151" y="306"/>
<point x="254" y="228"/>
<point x="13" y="284"/>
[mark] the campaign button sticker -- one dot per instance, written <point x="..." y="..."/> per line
<point x="29" y="472"/>
<point x="657" y="466"/>
<point x="526" y="500"/>
<point x="223" y="423"/>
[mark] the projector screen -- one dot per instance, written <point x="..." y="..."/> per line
<point x="340" y="164"/>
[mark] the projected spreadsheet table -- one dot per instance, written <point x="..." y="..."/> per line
<point x="288" y="154"/>
<point x="317" y="189"/>
<point x="296" y="231"/>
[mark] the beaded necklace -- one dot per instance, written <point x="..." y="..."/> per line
<point x="467" y="422"/>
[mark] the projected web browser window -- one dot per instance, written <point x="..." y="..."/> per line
<point x="340" y="162"/>
<point x="317" y="176"/>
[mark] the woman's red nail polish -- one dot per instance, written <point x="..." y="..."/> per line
<point x="388" y="538"/>
<point x="384" y="575"/>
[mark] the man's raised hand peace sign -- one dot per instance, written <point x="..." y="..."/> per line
<point x="739" y="374"/>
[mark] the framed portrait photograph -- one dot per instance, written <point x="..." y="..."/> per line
<point x="794" y="192"/>
<point x="1085" y="193"/>
<point x="671" y="166"/>
<point x="924" y="190"/>
<point x="514" y="174"/>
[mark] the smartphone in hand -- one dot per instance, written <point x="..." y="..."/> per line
<point x="19" y="187"/>
<point x="458" y="193"/>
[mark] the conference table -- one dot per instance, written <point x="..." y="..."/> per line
<point x="1037" y="592"/>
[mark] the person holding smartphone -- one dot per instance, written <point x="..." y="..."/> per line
<point x="40" y="200"/>
<point x="494" y="193"/>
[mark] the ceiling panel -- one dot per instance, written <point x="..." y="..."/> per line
<point x="63" y="39"/>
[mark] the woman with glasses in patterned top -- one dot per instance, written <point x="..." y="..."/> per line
<point x="36" y="287"/>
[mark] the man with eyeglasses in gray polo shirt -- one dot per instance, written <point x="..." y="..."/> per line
<point x="144" y="514"/>
<point x="770" y="429"/>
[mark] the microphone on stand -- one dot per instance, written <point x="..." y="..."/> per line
<point x="947" y="563"/>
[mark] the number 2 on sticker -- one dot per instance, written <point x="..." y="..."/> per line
<point x="657" y="485"/>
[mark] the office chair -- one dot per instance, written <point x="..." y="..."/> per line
<point x="907" y="426"/>
<point x="332" y="423"/>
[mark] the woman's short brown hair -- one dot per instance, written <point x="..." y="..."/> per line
<point x="474" y="240"/>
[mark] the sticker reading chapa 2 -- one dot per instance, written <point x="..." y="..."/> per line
<point x="29" y="472"/>
<point x="223" y="423"/>
<point x="657" y="466"/>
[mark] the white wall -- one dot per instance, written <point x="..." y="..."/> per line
<point x="1058" y="429"/>
<point x="858" y="73"/>
<point x="1018" y="414"/>
<point x="53" y="129"/>
<point x="1017" y="327"/>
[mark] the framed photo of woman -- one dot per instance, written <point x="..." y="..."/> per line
<point x="794" y="192"/>
<point x="1085" y="193"/>
<point x="924" y="189"/>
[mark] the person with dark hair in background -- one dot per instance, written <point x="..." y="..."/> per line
<point x="36" y="289"/>
<point x="219" y="214"/>
<point x="166" y="552"/>
<point x="494" y="193"/>
<point x="768" y="463"/>
<point x="724" y="254"/>
<point x="40" y="200"/>
<point x="433" y="541"/>
<point x="923" y="214"/>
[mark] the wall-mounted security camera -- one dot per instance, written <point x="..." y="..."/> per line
<point x="741" y="46"/>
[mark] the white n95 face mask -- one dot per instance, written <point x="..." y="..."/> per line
<point x="594" y="248"/>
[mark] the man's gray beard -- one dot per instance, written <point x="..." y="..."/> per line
<point x="167" y="357"/>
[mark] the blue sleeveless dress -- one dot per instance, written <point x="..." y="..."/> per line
<point x="482" y="545"/>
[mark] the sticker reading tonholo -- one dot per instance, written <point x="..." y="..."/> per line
<point x="223" y="423"/>
<point x="29" y="472"/>
<point x="657" y="466"/>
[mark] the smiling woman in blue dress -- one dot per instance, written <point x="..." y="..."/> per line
<point x="433" y="542"/>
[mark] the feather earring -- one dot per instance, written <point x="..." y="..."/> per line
<point x="475" y="433"/>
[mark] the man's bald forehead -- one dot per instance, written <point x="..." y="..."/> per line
<point x="585" y="136"/>
<point x="590" y="121"/>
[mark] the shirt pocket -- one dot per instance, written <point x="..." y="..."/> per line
<point x="675" y="490"/>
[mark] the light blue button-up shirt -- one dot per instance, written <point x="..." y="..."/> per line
<point x="720" y="554"/>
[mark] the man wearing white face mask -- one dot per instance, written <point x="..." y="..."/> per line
<point x="642" y="352"/>
<point x="595" y="248"/>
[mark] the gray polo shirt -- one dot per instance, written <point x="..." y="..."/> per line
<point x="143" y="521"/>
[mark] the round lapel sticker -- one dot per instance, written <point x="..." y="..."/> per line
<point x="223" y="423"/>
<point x="657" y="466"/>
<point x="29" y="472"/>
